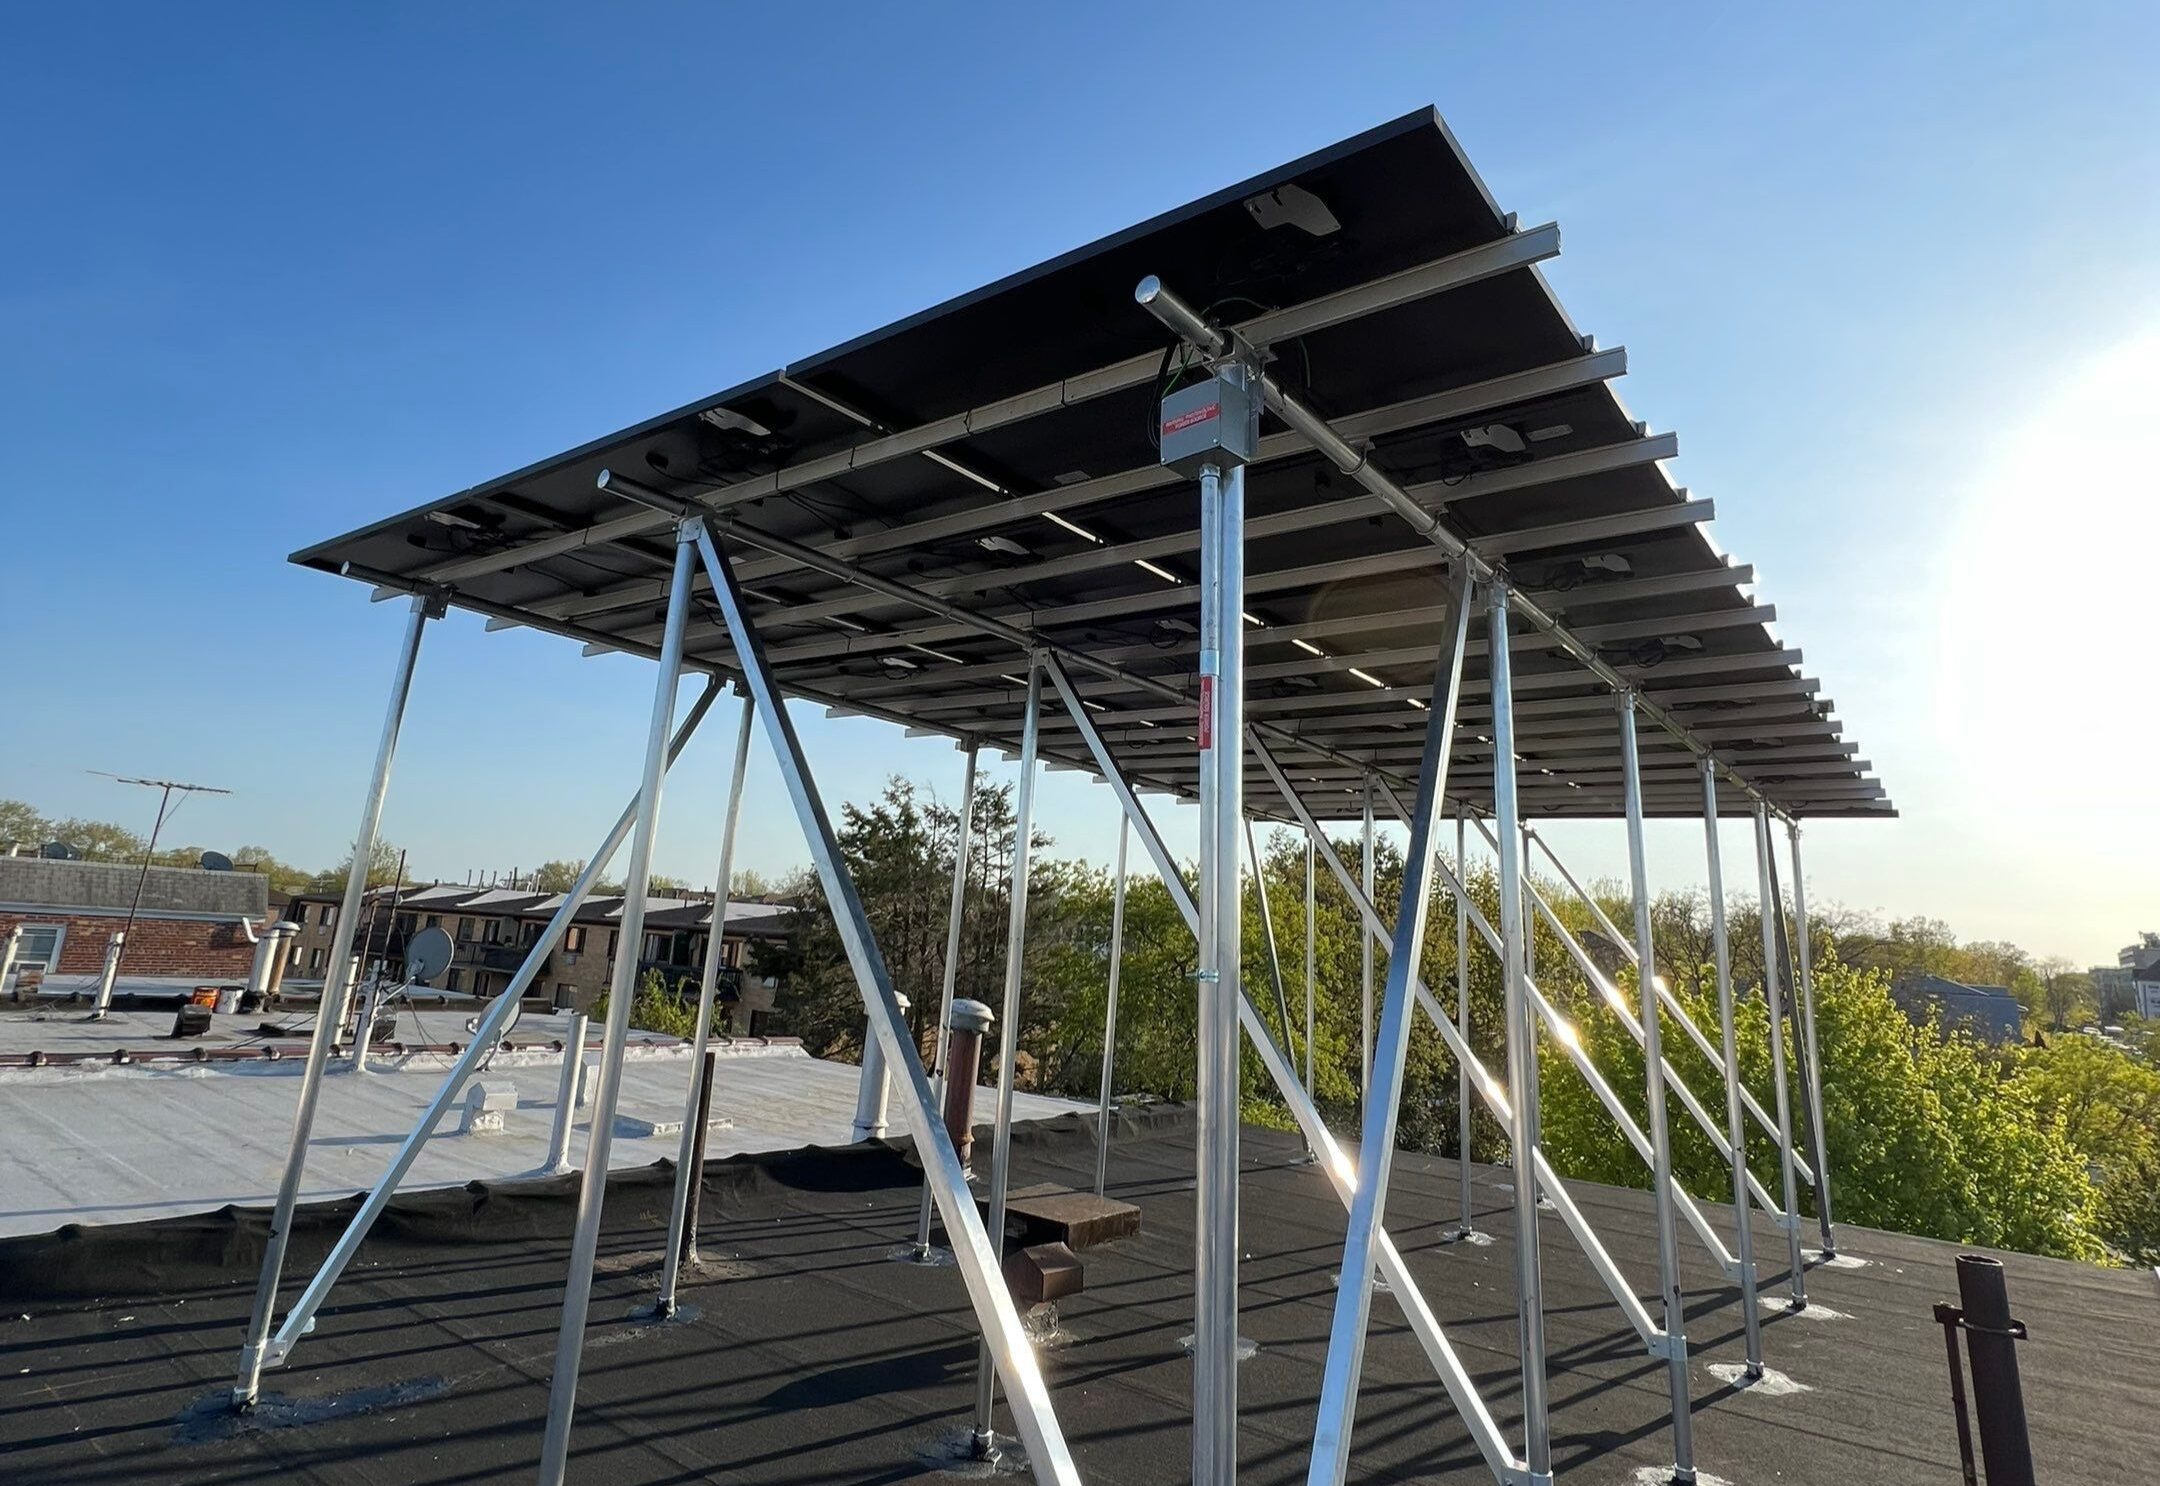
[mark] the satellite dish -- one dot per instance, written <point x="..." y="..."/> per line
<point x="216" y="861"/>
<point x="427" y="955"/>
<point x="58" y="851"/>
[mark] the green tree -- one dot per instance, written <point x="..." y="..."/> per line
<point x="556" y="876"/>
<point x="21" y="825"/>
<point x="383" y="864"/>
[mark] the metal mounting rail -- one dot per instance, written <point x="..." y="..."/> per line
<point x="1341" y="1170"/>
<point x="1217" y="343"/>
<point x="1672" y="1004"/>
<point x="1488" y="1087"/>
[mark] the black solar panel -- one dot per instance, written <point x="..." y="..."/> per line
<point x="995" y="452"/>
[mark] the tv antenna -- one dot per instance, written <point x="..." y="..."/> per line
<point x="168" y="788"/>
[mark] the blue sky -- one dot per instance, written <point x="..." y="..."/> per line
<point x="275" y="271"/>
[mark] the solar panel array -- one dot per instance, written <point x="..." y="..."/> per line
<point x="996" y="455"/>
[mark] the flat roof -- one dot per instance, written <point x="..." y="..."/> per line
<point x="996" y="453"/>
<point x="804" y="1354"/>
<point x="96" y="1143"/>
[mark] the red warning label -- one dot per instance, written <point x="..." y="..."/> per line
<point x="1207" y="712"/>
<point x="1188" y="418"/>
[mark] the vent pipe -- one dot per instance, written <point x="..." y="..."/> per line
<point x="969" y="1023"/>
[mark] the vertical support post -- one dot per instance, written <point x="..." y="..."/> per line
<point x="1661" y="1183"/>
<point x="108" y="973"/>
<point x="1376" y="1142"/>
<point x="1312" y="974"/>
<point x="873" y="1085"/>
<point x="1465" y="1115"/>
<point x="1736" y="1130"/>
<point x="566" y="1096"/>
<point x="14" y="944"/>
<point x="1812" y="1066"/>
<point x="1521" y="1042"/>
<point x="700" y="1123"/>
<point x="977" y="1257"/>
<point x="1267" y="926"/>
<point x="1365" y="949"/>
<point x="1220" y="979"/>
<point x="689" y="1168"/>
<point x="592" y="1194"/>
<point x="955" y="917"/>
<point x="328" y="1009"/>
<point x="1009" y="1030"/>
<point x="1109" y="1030"/>
<point x="1773" y="996"/>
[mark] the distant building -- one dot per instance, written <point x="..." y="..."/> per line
<point x="2145" y="988"/>
<point x="2115" y="986"/>
<point x="1989" y="1013"/>
<point x="192" y="924"/>
<point x="494" y="928"/>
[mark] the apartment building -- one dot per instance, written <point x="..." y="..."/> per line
<point x="494" y="929"/>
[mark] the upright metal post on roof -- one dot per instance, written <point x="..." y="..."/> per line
<point x="1773" y="997"/>
<point x="329" y="1008"/>
<point x="599" y="1141"/>
<point x="1803" y="942"/>
<point x="1312" y="968"/>
<point x="1220" y="980"/>
<point x="955" y="916"/>
<point x="1340" y="1171"/>
<point x="1376" y="1141"/>
<point x="1673" y="1008"/>
<point x="482" y="1047"/>
<point x="979" y="1259"/>
<point x="1365" y="947"/>
<point x="1735" y="1120"/>
<point x="1009" y="1031"/>
<point x="1464" y="1117"/>
<point x="1661" y="1183"/>
<point x="1267" y="929"/>
<point x="1109" y="1024"/>
<point x="1521" y="1041"/>
<point x="682" y="1239"/>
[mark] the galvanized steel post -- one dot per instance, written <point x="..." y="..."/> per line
<point x="1009" y="1028"/>
<point x="955" y="916"/>
<point x="682" y="1237"/>
<point x="599" y="1140"/>
<point x="1661" y="1182"/>
<point x="1521" y="1043"/>
<point x="1773" y="997"/>
<point x="328" y="1009"/>
<point x="1109" y="1035"/>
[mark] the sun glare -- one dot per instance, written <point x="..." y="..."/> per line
<point x="2050" y="602"/>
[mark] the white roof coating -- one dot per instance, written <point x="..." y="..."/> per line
<point x="98" y="1143"/>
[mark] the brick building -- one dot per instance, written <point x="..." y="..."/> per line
<point x="493" y="928"/>
<point x="192" y="924"/>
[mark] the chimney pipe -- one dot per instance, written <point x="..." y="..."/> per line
<point x="970" y="1021"/>
<point x="107" y="975"/>
<point x="873" y="1088"/>
<point x="1991" y="1339"/>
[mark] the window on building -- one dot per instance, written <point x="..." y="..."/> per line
<point x="614" y="938"/>
<point x="491" y="931"/>
<point x="315" y="958"/>
<point x="457" y="978"/>
<point x="655" y="947"/>
<point x="329" y="915"/>
<point x="565" y="994"/>
<point x="39" y="946"/>
<point x="434" y="921"/>
<point x="573" y="940"/>
<point x="464" y="930"/>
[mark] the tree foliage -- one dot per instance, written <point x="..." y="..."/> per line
<point x="1929" y="1133"/>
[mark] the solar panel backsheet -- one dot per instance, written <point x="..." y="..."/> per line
<point x="997" y="454"/>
